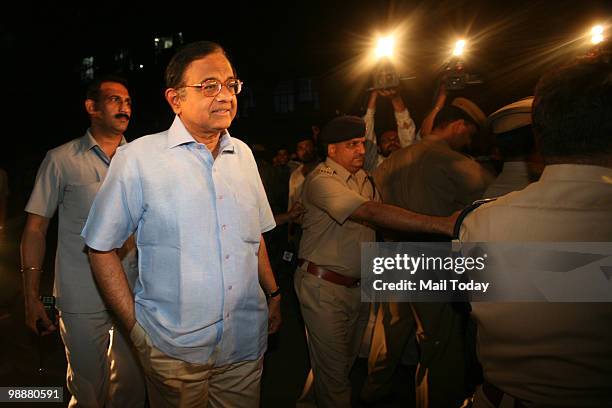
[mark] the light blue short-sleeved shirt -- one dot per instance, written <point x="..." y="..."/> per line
<point x="68" y="180"/>
<point x="198" y="223"/>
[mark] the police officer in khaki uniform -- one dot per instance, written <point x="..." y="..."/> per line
<point x="431" y="177"/>
<point x="553" y="354"/>
<point x="340" y="203"/>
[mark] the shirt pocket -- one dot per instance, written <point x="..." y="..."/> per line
<point x="250" y="230"/>
<point x="78" y="199"/>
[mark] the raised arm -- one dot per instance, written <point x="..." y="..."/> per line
<point x="427" y="125"/>
<point x="406" y="129"/>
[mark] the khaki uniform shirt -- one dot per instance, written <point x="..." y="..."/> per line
<point x="330" y="240"/>
<point x="431" y="178"/>
<point x="554" y="354"/>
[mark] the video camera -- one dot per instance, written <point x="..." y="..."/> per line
<point x="456" y="78"/>
<point x="385" y="77"/>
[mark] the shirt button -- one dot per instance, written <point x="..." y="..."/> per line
<point x="224" y="227"/>
<point x="227" y="316"/>
<point x="229" y="287"/>
<point x="226" y="256"/>
<point x="220" y="197"/>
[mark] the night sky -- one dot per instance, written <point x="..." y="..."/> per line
<point x="42" y="45"/>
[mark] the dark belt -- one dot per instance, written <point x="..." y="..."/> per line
<point x="495" y="395"/>
<point x="330" y="276"/>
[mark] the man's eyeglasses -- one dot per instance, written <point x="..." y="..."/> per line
<point x="212" y="87"/>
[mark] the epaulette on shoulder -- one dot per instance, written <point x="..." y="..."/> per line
<point x="326" y="171"/>
<point x="464" y="213"/>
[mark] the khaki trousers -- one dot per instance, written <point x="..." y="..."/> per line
<point x="335" y="319"/>
<point x="176" y="383"/>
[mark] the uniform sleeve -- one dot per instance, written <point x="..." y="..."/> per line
<point x="118" y="206"/>
<point x="331" y="196"/>
<point x="405" y="128"/>
<point x="48" y="187"/>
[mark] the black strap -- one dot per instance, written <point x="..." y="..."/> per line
<point x="466" y="211"/>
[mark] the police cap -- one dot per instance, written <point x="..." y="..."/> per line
<point x="342" y="128"/>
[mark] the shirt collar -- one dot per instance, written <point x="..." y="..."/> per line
<point x="344" y="173"/>
<point x="577" y="172"/>
<point x="178" y="135"/>
<point x="88" y="142"/>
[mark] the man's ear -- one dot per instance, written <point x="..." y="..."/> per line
<point x="174" y="100"/>
<point x="90" y="107"/>
<point x="331" y="150"/>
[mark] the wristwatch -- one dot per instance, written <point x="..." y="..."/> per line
<point x="273" y="294"/>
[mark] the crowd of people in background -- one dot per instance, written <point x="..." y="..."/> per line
<point x="215" y="224"/>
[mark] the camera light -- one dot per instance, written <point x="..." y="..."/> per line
<point x="384" y="47"/>
<point x="459" y="46"/>
<point x="597" y="34"/>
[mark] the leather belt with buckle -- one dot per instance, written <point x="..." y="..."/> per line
<point x="330" y="276"/>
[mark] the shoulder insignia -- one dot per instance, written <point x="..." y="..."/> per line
<point x="327" y="171"/>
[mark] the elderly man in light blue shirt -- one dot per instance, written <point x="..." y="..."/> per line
<point x="198" y="316"/>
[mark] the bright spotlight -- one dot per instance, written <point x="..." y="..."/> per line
<point x="384" y="47"/>
<point x="459" y="46"/>
<point x="597" y="34"/>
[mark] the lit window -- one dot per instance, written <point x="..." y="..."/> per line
<point x="87" y="68"/>
<point x="162" y="43"/>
